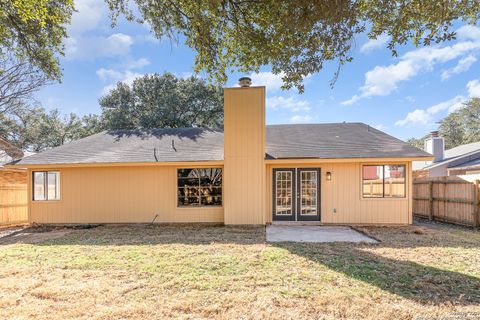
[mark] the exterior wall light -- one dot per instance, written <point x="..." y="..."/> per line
<point x="329" y="176"/>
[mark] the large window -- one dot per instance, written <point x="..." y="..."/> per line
<point x="199" y="187"/>
<point x="46" y="185"/>
<point x="383" y="181"/>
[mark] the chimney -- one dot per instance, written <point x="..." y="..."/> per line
<point x="245" y="82"/>
<point x="435" y="145"/>
<point x="244" y="181"/>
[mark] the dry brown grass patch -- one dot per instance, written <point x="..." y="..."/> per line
<point x="212" y="272"/>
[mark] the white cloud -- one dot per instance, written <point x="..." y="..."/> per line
<point x="114" y="76"/>
<point x="473" y="88"/>
<point x="462" y="66"/>
<point x="290" y="103"/>
<point x="137" y="64"/>
<point x="87" y="16"/>
<point x="86" y="41"/>
<point x="410" y="99"/>
<point x="273" y="82"/>
<point x="468" y="32"/>
<point x="373" y="44"/>
<point x="425" y="116"/>
<point x="301" y="119"/>
<point x="91" y="47"/>
<point x="126" y="74"/>
<point x="383" y="80"/>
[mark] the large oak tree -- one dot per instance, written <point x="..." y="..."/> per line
<point x="294" y="37"/>
<point x="162" y="101"/>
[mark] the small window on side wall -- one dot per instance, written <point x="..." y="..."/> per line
<point x="383" y="181"/>
<point x="46" y="185"/>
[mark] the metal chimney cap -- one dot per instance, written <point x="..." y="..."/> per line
<point x="245" y="82"/>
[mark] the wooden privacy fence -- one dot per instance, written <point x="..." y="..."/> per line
<point x="13" y="197"/>
<point x="449" y="199"/>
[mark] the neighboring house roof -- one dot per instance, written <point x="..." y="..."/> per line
<point x="462" y="150"/>
<point x="9" y="153"/>
<point x="469" y="164"/>
<point x="5" y="158"/>
<point x="457" y="157"/>
<point x="327" y="141"/>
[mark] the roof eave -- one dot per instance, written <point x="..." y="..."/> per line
<point x="360" y="159"/>
<point x="115" y="164"/>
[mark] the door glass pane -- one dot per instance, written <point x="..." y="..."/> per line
<point x="308" y="193"/>
<point x="39" y="186"/>
<point x="283" y="190"/>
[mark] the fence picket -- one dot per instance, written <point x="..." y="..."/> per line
<point x="448" y="199"/>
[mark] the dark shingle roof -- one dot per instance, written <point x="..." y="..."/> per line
<point x="327" y="141"/>
<point x="335" y="141"/>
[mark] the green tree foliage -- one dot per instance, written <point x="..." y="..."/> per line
<point x="32" y="128"/>
<point x="416" y="142"/>
<point x="33" y="30"/>
<point x="452" y="129"/>
<point x="459" y="127"/>
<point x="294" y="37"/>
<point x="163" y="101"/>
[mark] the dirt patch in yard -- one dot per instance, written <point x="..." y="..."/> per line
<point x="214" y="272"/>
<point x="31" y="235"/>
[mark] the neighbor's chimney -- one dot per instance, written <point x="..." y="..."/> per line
<point x="245" y="82"/>
<point x="435" y="145"/>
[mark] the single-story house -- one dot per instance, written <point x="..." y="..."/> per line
<point x="463" y="160"/>
<point x="13" y="186"/>
<point x="246" y="173"/>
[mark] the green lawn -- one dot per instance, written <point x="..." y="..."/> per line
<point x="231" y="273"/>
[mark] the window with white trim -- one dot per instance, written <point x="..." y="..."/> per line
<point x="46" y="185"/>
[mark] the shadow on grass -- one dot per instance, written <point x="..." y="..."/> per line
<point x="140" y="234"/>
<point x="416" y="282"/>
<point x="423" y="284"/>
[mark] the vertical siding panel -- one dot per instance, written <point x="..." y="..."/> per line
<point x="244" y="144"/>
<point x="119" y="195"/>
<point x="344" y="193"/>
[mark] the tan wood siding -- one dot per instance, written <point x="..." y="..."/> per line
<point x="244" y="140"/>
<point x="343" y="193"/>
<point x="119" y="195"/>
<point x="13" y="197"/>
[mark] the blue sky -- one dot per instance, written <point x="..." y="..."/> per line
<point x="403" y="96"/>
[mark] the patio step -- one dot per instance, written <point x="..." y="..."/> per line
<point x="297" y="223"/>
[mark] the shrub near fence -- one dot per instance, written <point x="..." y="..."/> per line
<point x="448" y="199"/>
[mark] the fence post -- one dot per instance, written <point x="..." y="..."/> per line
<point x="476" y="217"/>
<point x="430" y="199"/>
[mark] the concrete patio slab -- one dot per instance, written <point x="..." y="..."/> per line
<point x="282" y="233"/>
